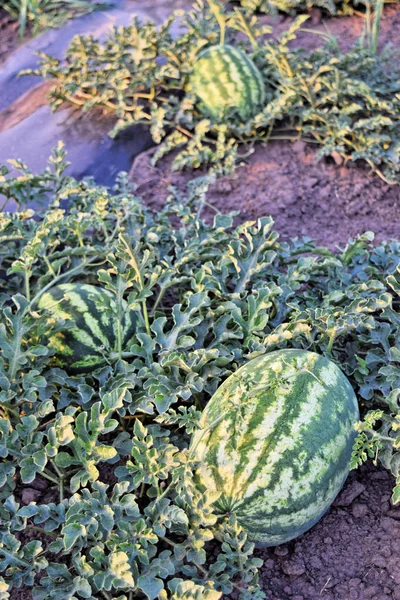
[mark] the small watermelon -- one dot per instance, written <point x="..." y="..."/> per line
<point x="85" y="345"/>
<point x="225" y="79"/>
<point x="276" y="442"/>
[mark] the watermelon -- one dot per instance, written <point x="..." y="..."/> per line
<point x="90" y="332"/>
<point x="275" y="441"/>
<point x="224" y="79"/>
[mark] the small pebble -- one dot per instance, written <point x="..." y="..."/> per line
<point x="349" y="494"/>
<point x="389" y="525"/>
<point x="29" y="495"/>
<point x="316" y="16"/>
<point x="299" y="146"/>
<point x="39" y="483"/>
<point x="294" y="568"/>
<point x="281" y="551"/>
<point x="359" y="510"/>
<point x="337" y="158"/>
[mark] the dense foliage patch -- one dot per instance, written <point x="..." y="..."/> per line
<point x="346" y="103"/>
<point x="334" y="7"/>
<point x="123" y="518"/>
<point x="38" y="14"/>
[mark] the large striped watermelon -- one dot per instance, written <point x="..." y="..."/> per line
<point x="276" y="442"/>
<point x="226" y="80"/>
<point x="92" y="312"/>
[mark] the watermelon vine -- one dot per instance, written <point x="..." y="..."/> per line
<point x="345" y="103"/>
<point x="120" y="515"/>
<point x="332" y="7"/>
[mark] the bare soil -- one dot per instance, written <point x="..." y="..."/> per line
<point x="305" y="197"/>
<point x="9" y="35"/>
<point x="351" y="554"/>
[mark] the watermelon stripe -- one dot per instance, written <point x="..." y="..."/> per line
<point x="248" y="72"/>
<point x="218" y="67"/>
<point x="84" y="345"/>
<point x="243" y="72"/>
<point x="86" y="312"/>
<point x="276" y="441"/>
<point x="93" y="325"/>
<point x="224" y="78"/>
<point x="229" y="74"/>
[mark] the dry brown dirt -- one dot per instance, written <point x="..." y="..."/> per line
<point x="351" y="554"/>
<point x="305" y="197"/>
<point x="9" y="35"/>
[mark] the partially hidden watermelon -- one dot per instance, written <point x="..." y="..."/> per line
<point x="90" y="332"/>
<point x="226" y="80"/>
<point x="276" y="442"/>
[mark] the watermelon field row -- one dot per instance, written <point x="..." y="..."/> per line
<point x="332" y="7"/>
<point x="181" y="387"/>
<point x="346" y="103"/>
<point x="125" y="517"/>
<point x="36" y="15"/>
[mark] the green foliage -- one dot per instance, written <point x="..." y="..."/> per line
<point x="39" y="14"/>
<point x="291" y="6"/>
<point x="346" y="103"/>
<point x="333" y="7"/>
<point x="123" y="518"/>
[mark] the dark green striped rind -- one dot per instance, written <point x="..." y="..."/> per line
<point x="225" y="79"/>
<point x="276" y="442"/>
<point x="93" y="335"/>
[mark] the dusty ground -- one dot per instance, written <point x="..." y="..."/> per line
<point x="352" y="554"/>
<point x="8" y="35"/>
<point x="304" y="196"/>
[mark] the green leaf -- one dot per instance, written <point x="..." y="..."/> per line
<point x="120" y="568"/>
<point x="105" y="452"/>
<point x="150" y="585"/>
<point x="72" y="533"/>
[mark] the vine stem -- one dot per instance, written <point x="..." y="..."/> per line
<point x="383" y="438"/>
<point x="247" y="31"/>
<point x="116" y="355"/>
<point x="158" y="300"/>
<point x="41" y="530"/>
<point x="14" y="360"/>
<point x="50" y="477"/>
<point x="9" y="409"/>
<point x="331" y="340"/>
<point x="22" y="562"/>
<point x="119" y="317"/>
<point x="165" y="491"/>
<point x="135" y="265"/>
<point x="61" y="479"/>
<point x="58" y="277"/>
<point x="2" y="207"/>
<point x="27" y="286"/>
